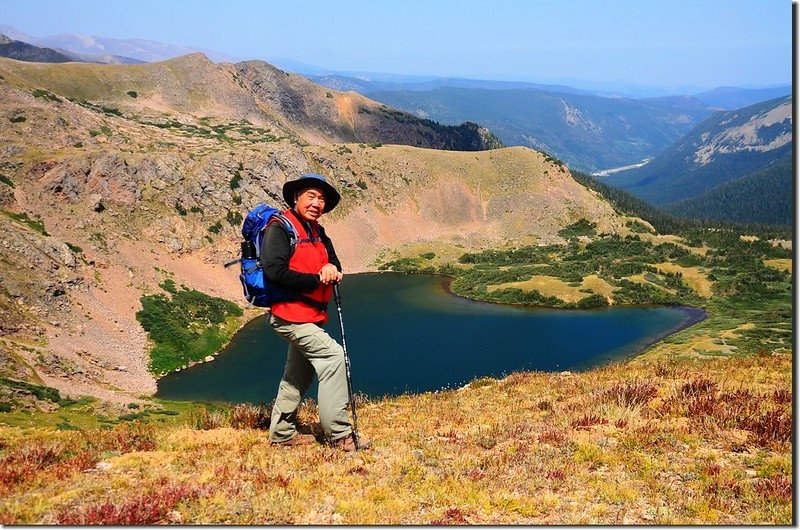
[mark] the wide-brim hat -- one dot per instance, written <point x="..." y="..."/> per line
<point x="311" y="180"/>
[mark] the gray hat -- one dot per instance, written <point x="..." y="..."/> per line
<point x="311" y="180"/>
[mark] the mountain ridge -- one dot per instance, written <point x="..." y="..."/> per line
<point x="22" y="51"/>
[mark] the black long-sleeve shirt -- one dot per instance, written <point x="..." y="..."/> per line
<point x="276" y="251"/>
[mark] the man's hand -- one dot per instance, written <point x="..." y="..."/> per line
<point x="329" y="274"/>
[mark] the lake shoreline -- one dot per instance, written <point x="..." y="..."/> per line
<point x="696" y="314"/>
<point x="516" y="334"/>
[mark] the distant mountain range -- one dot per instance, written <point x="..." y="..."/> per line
<point x="587" y="132"/>
<point x="736" y="165"/>
<point x="22" y="51"/>
<point x="87" y="48"/>
<point x="597" y="128"/>
<point x="732" y="98"/>
<point x="149" y="51"/>
<point x="369" y="86"/>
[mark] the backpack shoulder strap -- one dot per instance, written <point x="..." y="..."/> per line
<point x="282" y="221"/>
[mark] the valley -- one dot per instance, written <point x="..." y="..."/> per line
<point x="126" y="184"/>
<point x="607" y="172"/>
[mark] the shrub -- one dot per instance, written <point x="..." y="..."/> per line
<point x="44" y="393"/>
<point x="132" y="416"/>
<point x="586" y="421"/>
<point x="169" y="286"/>
<point x="125" y="438"/>
<point x="581" y="227"/>
<point x="631" y="393"/>
<point x="777" y="488"/>
<point x="452" y="516"/>
<point x="773" y="426"/>
<point x="234" y="218"/>
<point x="237" y="177"/>
<point x="698" y="387"/>
<point x="249" y="416"/>
<point x="35" y="224"/>
<point x="553" y="437"/>
<point x="638" y="227"/>
<point x="782" y="396"/>
<point x="132" y="93"/>
<point x="184" y="327"/>
<point x="594" y="300"/>
<point x="45" y="94"/>
<point x="18" y="467"/>
<point x="204" y="420"/>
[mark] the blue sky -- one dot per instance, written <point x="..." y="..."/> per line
<point x="702" y="43"/>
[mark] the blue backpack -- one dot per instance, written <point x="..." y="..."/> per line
<point x="257" y="290"/>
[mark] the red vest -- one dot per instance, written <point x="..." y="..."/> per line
<point x="309" y="257"/>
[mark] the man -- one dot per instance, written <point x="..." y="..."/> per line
<point x="310" y="271"/>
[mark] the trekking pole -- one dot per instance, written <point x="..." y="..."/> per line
<point x="338" y="300"/>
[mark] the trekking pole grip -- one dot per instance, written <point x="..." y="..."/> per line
<point x="336" y="296"/>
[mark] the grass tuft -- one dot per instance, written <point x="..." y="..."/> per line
<point x="588" y="421"/>
<point x="452" y="516"/>
<point x="698" y="387"/>
<point x="21" y="466"/>
<point x="770" y="427"/>
<point x="144" y="509"/>
<point x="775" y="489"/>
<point x="631" y="393"/>
<point x="249" y="416"/>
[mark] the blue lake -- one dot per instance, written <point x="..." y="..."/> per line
<point x="406" y="333"/>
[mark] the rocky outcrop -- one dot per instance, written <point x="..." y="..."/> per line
<point x="316" y="112"/>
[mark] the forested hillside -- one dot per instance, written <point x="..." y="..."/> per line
<point x="763" y="197"/>
<point x="725" y="148"/>
<point x="587" y="132"/>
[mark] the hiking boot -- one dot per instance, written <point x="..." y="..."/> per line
<point x="297" y="439"/>
<point x="346" y="443"/>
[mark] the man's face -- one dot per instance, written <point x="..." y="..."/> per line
<point x="310" y="203"/>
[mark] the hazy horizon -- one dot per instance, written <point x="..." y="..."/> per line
<point x="702" y="44"/>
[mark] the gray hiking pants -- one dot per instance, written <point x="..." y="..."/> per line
<point x="311" y="351"/>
